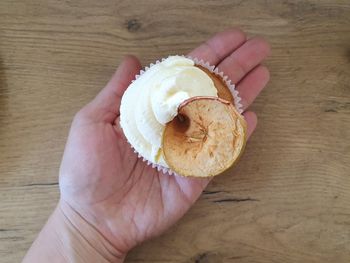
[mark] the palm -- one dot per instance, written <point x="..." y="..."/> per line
<point x="100" y="170"/>
<point x="104" y="180"/>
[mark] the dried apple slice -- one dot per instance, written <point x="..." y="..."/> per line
<point x="220" y="85"/>
<point x="205" y="138"/>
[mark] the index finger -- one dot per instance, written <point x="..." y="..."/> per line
<point x="219" y="46"/>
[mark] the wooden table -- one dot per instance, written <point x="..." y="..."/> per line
<point x="289" y="198"/>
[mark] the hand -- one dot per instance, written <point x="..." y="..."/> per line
<point x="101" y="177"/>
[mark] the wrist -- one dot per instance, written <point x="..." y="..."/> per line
<point x="85" y="235"/>
<point x="68" y="237"/>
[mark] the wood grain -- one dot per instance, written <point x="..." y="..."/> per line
<point x="288" y="199"/>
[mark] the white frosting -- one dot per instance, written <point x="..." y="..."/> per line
<point x="153" y="98"/>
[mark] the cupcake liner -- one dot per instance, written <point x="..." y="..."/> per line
<point x="212" y="69"/>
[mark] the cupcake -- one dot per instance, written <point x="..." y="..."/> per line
<point x="182" y="116"/>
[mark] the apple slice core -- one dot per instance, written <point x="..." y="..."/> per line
<point x="206" y="137"/>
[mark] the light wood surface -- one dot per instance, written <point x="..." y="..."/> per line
<point x="288" y="199"/>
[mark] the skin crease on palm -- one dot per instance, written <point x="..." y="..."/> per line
<point x="101" y="177"/>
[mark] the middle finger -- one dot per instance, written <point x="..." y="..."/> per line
<point x="244" y="59"/>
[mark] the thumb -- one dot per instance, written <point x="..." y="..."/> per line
<point x="105" y="106"/>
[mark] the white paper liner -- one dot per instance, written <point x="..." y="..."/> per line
<point x="212" y="69"/>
